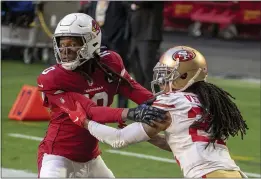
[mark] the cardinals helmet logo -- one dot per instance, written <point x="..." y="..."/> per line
<point x="95" y="27"/>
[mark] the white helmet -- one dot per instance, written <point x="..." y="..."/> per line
<point x="78" y="25"/>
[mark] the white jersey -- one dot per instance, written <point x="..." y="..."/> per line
<point x="187" y="144"/>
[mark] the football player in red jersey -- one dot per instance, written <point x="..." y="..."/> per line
<point x="92" y="77"/>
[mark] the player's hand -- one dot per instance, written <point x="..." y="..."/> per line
<point x="78" y="116"/>
<point x="146" y="114"/>
<point x="163" y="124"/>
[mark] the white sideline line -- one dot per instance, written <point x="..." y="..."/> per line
<point x="7" y="172"/>
<point x="132" y="154"/>
<point x="25" y="136"/>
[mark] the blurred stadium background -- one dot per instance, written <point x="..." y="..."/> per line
<point x="233" y="58"/>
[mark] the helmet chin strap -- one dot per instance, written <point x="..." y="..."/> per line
<point x="205" y="79"/>
<point x="170" y="87"/>
<point x="191" y="81"/>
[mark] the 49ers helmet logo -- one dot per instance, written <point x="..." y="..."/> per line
<point x="95" y="27"/>
<point x="184" y="55"/>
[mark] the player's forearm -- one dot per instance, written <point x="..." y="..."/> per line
<point x="160" y="142"/>
<point x="117" y="138"/>
<point x="107" y="114"/>
<point x="93" y="112"/>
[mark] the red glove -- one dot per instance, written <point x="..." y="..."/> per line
<point x="78" y="116"/>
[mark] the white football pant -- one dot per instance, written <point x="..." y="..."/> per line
<point x="55" y="166"/>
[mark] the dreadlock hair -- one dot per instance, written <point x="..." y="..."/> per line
<point x="105" y="68"/>
<point x="220" y="112"/>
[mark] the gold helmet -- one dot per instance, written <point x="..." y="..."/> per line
<point x="179" y="67"/>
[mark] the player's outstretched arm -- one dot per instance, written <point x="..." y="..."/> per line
<point x="101" y="114"/>
<point x="117" y="138"/>
<point x="133" y="133"/>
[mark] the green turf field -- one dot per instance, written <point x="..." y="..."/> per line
<point x="21" y="153"/>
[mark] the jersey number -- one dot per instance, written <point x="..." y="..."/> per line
<point x="47" y="70"/>
<point x="193" y="112"/>
<point x="101" y="99"/>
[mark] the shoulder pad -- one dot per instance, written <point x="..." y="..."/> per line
<point x="113" y="60"/>
<point x="46" y="81"/>
<point x="170" y="101"/>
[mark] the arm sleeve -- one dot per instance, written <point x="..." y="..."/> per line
<point x="94" y="112"/>
<point x="118" y="138"/>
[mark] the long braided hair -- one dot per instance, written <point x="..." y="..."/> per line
<point x="220" y="112"/>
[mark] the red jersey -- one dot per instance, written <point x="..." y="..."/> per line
<point x="63" y="137"/>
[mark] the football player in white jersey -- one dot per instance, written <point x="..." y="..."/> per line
<point x="201" y="117"/>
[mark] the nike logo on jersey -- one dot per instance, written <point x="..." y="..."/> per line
<point x="76" y="119"/>
<point x="41" y="85"/>
<point x="62" y="100"/>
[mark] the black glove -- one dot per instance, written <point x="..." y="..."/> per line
<point x="144" y="113"/>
